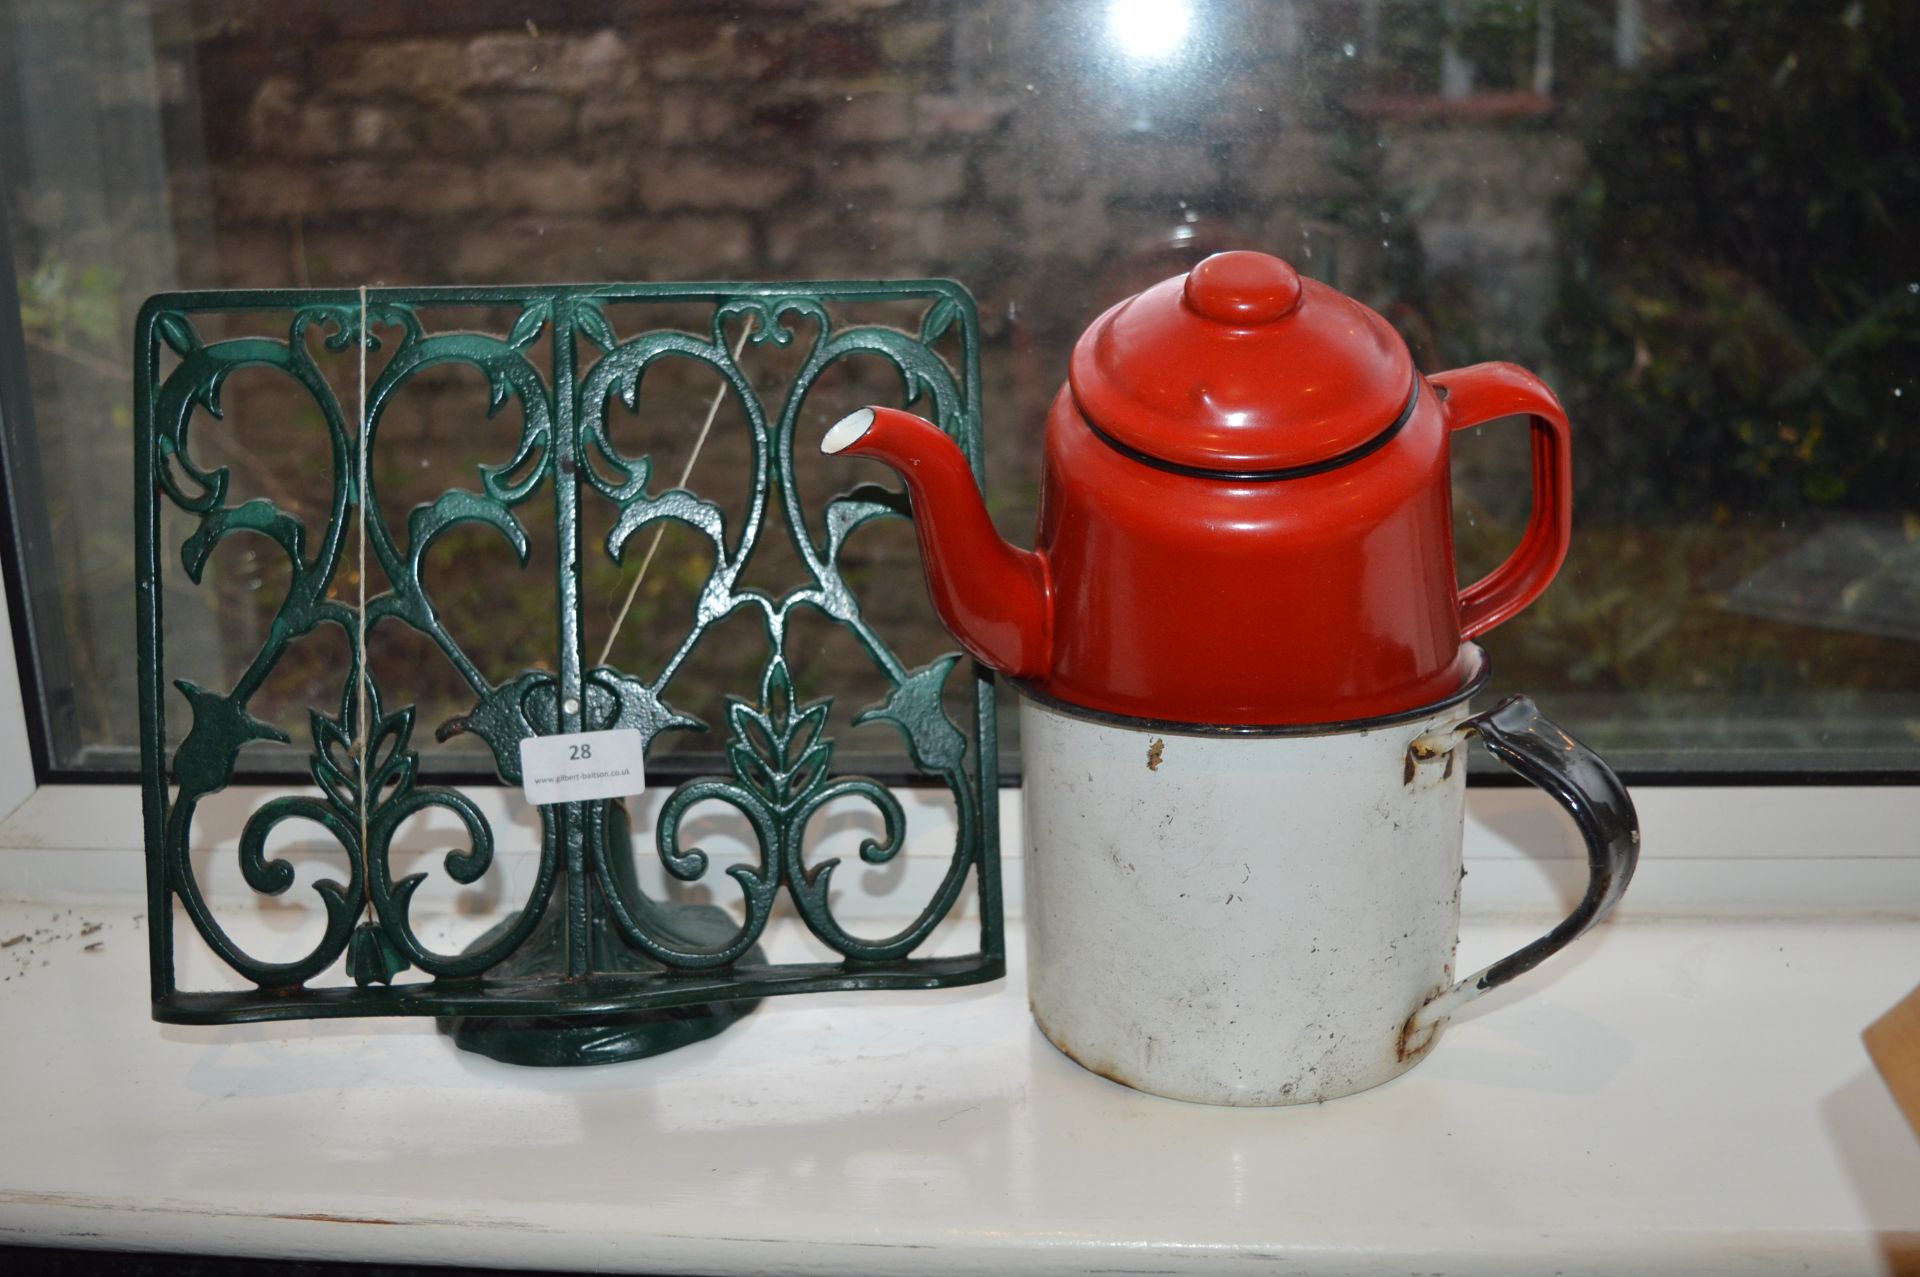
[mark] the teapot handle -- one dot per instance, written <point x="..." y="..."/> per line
<point x="1481" y="393"/>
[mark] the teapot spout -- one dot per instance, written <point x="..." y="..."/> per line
<point x="994" y="597"/>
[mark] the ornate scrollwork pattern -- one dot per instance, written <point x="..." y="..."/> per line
<point x="778" y="751"/>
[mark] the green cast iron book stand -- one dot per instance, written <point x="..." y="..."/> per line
<point x="591" y="968"/>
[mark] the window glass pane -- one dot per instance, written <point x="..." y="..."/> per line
<point x="1687" y="216"/>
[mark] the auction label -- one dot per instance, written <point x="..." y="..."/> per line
<point x="579" y="767"/>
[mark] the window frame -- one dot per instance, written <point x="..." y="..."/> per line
<point x="36" y="671"/>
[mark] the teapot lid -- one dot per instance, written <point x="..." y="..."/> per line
<point x="1242" y="368"/>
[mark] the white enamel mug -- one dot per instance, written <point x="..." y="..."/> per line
<point x="1270" y="917"/>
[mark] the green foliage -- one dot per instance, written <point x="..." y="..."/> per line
<point x="75" y="307"/>
<point x="1740" y="296"/>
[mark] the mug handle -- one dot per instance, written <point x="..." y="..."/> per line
<point x="1542" y="752"/>
<point x="1471" y="396"/>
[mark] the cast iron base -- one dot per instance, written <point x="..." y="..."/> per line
<point x="567" y="1041"/>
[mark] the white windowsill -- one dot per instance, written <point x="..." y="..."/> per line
<point x="1684" y="1091"/>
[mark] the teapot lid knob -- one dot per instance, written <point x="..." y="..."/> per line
<point x="1242" y="289"/>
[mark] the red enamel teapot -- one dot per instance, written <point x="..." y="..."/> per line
<point x="1246" y="513"/>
